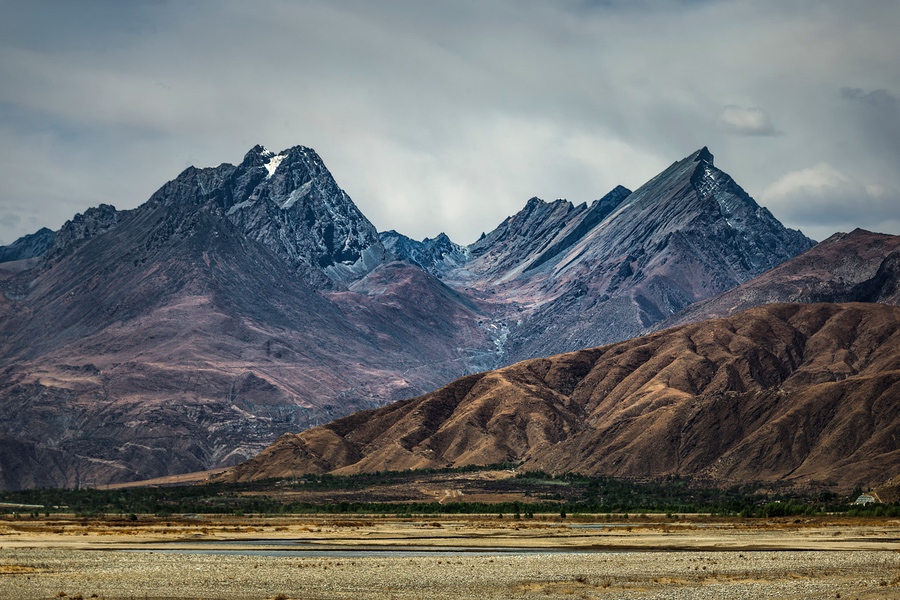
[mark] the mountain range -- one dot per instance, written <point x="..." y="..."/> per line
<point x="584" y="276"/>
<point x="241" y="303"/>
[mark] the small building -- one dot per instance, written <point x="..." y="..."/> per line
<point x="865" y="499"/>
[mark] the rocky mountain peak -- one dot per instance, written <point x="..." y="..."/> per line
<point x="437" y="256"/>
<point x="703" y="155"/>
<point x="608" y="203"/>
<point x="687" y="234"/>
<point x="694" y="195"/>
<point x="290" y="202"/>
<point x="533" y="221"/>
<point x="83" y="226"/>
<point x="257" y="156"/>
<point x="536" y="237"/>
<point x="533" y="203"/>
<point x="298" y="210"/>
<point x="300" y="163"/>
<point x="28" y="246"/>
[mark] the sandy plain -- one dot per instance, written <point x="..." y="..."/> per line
<point x="450" y="557"/>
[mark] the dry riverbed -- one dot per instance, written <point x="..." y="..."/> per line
<point x="450" y="557"/>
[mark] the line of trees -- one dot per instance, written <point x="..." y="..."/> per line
<point x="566" y="494"/>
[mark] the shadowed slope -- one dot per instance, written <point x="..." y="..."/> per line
<point x="859" y="266"/>
<point x="28" y="246"/>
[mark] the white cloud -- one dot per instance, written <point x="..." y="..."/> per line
<point x="490" y="169"/>
<point x="822" y="180"/>
<point x="746" y="121"/>
<point x="826" y="199"/>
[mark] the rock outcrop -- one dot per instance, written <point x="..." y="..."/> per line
<point x="82" y="227"/>
<point x="33" y="245"/>
<point x="437" y="256"/>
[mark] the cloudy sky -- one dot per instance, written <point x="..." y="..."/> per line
<point x="448" y="115"/>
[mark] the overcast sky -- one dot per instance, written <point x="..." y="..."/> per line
<point x="448" y="115"/>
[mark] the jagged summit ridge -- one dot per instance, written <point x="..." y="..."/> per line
<point x="704" y="155"/>
<point x="290" y="202"/>
<point x="437" y="256"/>
<point x="536" y="236"/>
<point x="687" y="234"/>
<point x="82" y="227"/>
<point x="28" y="246"/>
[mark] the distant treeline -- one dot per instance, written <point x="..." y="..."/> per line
<point x="562" y="495"/>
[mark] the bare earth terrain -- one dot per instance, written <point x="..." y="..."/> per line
<point x="454" y="557"/>
<point x="803" y="395"/>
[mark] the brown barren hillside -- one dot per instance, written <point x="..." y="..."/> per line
<point x="805" y="394"/>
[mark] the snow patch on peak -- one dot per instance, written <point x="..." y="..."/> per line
<point x="297" y="194"/>
<point x="273" y="162"/>
<point x="238" y="207"/>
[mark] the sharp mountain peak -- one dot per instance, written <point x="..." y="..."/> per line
<point x="703" y="155"/>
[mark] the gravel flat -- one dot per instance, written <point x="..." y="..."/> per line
<point x="49" y="572"/>
<point x="476" y="558"/>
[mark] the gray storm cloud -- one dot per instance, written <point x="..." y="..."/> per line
<point x="447" y="115"/>
<point x="877" y="113"/>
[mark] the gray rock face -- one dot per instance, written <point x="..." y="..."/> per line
<point x="33" y="245"/>
<point x="575" y="277"/>
<point x="535" y="238"/>
<point x="437" y="256"/>
<point x="290" y="203"/>
<point x="82" y="227"/>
